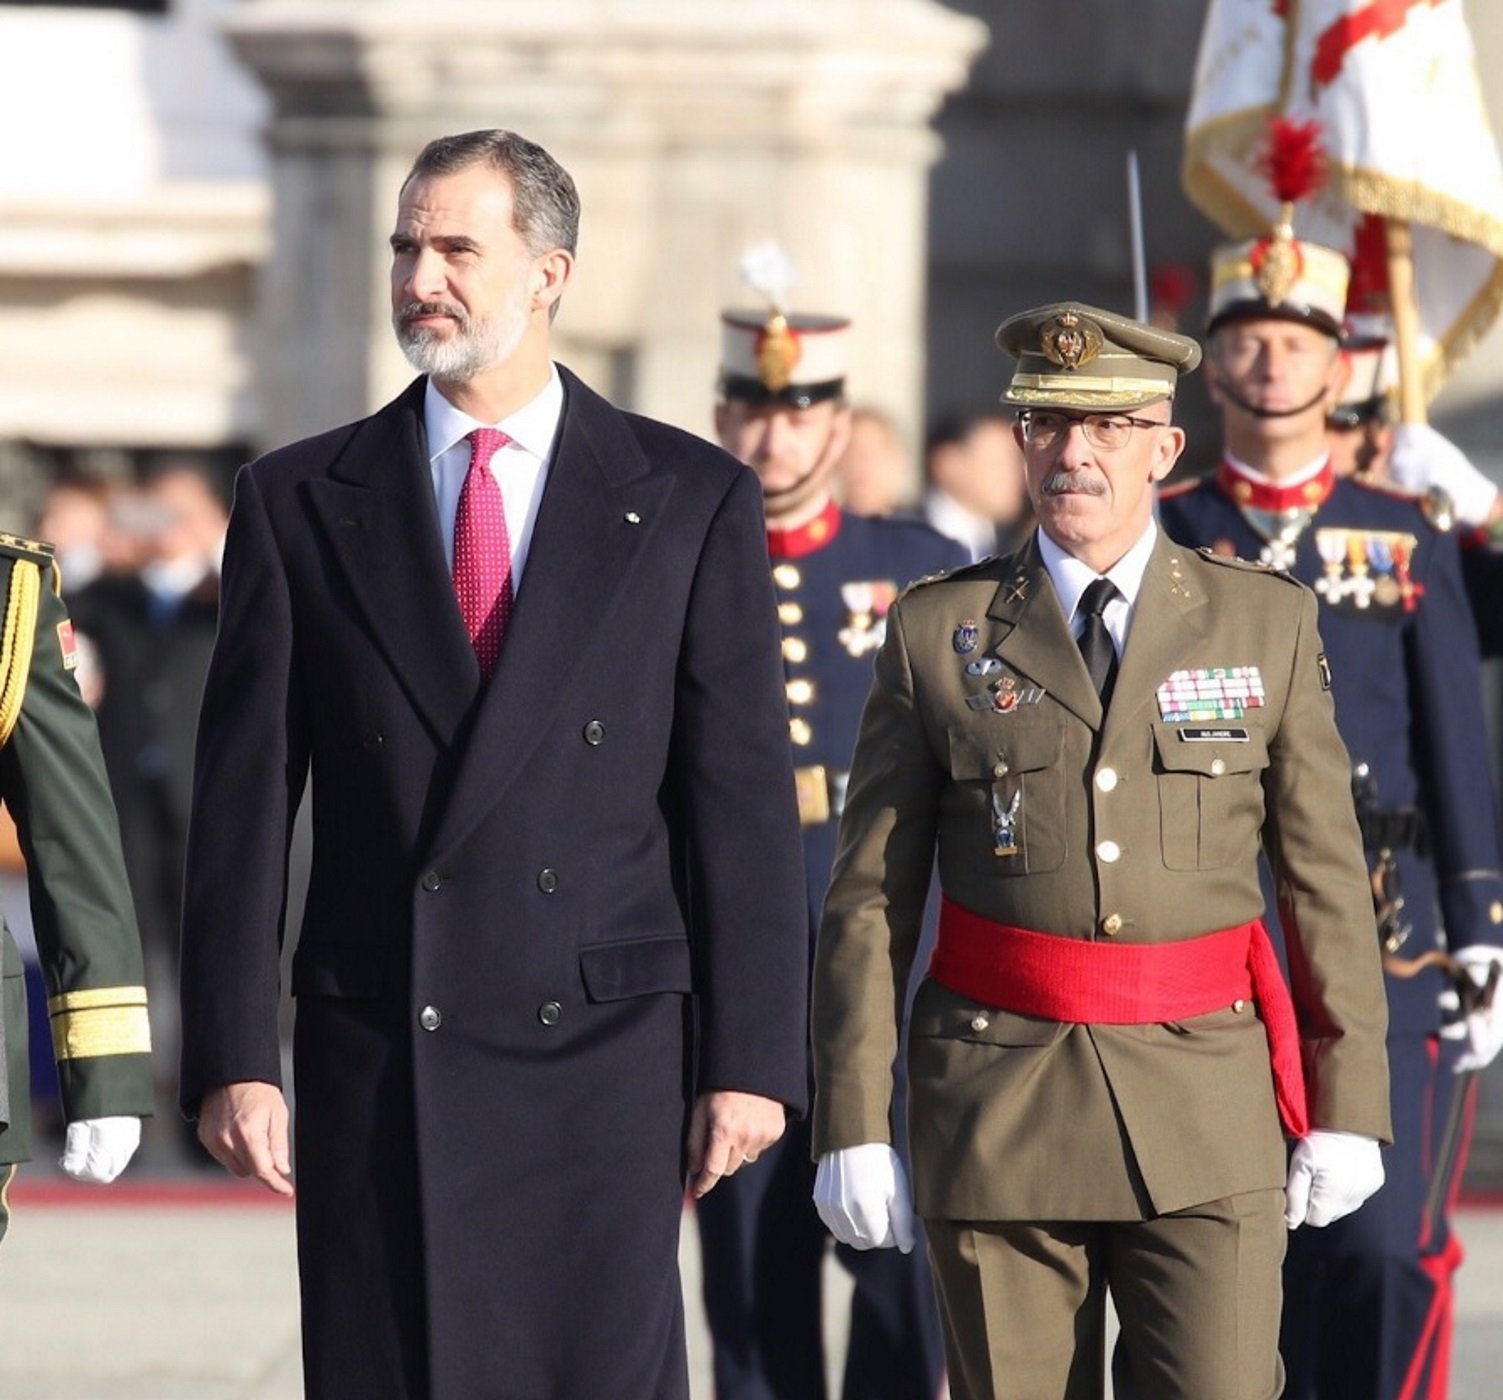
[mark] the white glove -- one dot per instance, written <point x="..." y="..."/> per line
<point x="1422" y="458"/>
<point x="1330" y="1175"/>
<point x="1484" y="1026"/>
<point x="97" y="1149"/>
<point x="861" y="1193"/>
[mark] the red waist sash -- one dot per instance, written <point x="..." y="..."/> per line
<point x="1126" y="984"/>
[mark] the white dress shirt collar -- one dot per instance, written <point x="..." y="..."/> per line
<point x="1071" y="577"/>
<point x="532" y="427"/>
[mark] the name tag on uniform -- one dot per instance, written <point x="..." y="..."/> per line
<point x="1213" y="736"/>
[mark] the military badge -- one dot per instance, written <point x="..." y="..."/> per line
<point x="866" y="607"/>
<point x="966" y="636"/>
<point x="778" y="352"/>
<point x="69" y="644"/>
<point x="1206" y="694"/>
<point x="982" y="666"/>
<point x="1070" y="342"/>
<point x="1005" y="823"/>
<point x="1367" y="571"/>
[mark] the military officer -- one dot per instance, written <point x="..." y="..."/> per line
<point x="782" y="411"/>
<point x="53" y="784"/>
<point x="1367" y="1303"/>
<point x="1096" y="732"/>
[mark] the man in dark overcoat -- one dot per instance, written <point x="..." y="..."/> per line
<point x="553" y="958"/>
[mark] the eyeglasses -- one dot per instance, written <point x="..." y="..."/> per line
<point x="1108" y="431"/>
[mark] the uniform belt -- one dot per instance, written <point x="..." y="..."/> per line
<point x="821" y="793"/>
<point x="1126" y="984"/>
<point x="1391" y="829"/>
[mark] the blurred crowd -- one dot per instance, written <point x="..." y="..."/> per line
<point x="140" y="563"/>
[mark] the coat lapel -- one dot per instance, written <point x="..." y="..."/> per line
<point x="1044" y="650"/>
<point x="584" y="548"/>
<point x="1170" y="616"/>
<point x="378" y="510"/>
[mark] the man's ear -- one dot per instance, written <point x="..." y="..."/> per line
<point x="550" y="274"/>
<point x="1167" y="452"/>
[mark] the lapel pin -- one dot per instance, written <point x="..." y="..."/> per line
<point x="1017" y="590"/>
<point x="632" y="518"/>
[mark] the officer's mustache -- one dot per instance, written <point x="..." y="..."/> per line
<point x="1079" y="483"/>
<point x="412" y="310"/>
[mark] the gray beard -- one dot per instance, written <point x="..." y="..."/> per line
<point x="473" y="348"/>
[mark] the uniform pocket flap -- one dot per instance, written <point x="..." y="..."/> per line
<point x="1004" y="744"/>
<point x="636" y="968"/>
<point x="339" y="970"/>
<point x="1212" y="751"/>
<point x="940" y="1014"/>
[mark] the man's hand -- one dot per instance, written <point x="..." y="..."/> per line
<point x="861" y="1193"/>
<point x="727" y="1130"/>
<point x="244" y="1128"/>
<point x="98" y="1149"/>
<point x="1484" y="1010"/>
<point x="1330" y="1175"/>
<point x="1422" y="458"/>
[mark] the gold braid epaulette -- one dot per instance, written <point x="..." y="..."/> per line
<point x="99" y="1021"/>
<point x="17" y="638"/>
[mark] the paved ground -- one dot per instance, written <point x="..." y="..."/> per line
<point x="151" y="1299"/>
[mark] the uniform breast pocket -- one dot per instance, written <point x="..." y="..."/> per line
<point x="1210" y="795"/>
<point x="1012" y="792"/>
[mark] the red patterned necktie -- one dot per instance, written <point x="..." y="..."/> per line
<point x="482" y="551"/>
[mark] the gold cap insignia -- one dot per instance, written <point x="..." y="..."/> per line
<point x="1069" y="341"/>
<point x="777" y="352"/>
<point x="1278" y="263"/>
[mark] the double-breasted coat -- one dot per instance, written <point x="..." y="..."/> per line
<point x="543" y="912"/>
<point x="1137" y="826"/>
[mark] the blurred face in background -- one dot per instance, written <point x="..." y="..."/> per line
<point x="872" y="476"/>
<point x="792" y="450"/>
<point x="983" y="471"/>
<point x="187" y="518"/>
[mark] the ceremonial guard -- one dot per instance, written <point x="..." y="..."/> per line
<point x="1096" y="733"/>
<point x="1368" y="1303"/>
<point x="52" y="782"/>
<point x="782" y="411"/>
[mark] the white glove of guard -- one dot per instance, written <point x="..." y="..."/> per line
<point x="1484" y="1026"/>
<point x="861" y="1193"/>
<point x="97" y="1149"/>
<point x="1422" y="458"/>
<point x="1330" y="1175"/>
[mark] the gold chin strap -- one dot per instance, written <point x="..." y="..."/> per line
<point x="17" y="640"/>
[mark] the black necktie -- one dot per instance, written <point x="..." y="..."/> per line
<point x="1095" y="641"/>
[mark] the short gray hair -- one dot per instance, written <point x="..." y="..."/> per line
<point x="545" y="204"/>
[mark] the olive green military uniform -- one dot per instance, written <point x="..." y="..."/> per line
<point x="1136" y="826"/>
<point x="52" y="781"/>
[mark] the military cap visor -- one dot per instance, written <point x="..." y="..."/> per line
<point x="1075" y="356"/>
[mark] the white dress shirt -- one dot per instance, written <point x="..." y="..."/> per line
<point x="520" y="468"/>
<point x="1071" y="577"/>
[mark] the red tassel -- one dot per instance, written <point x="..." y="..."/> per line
<point x="1368" y="289"/>
<point x="1293" y="161"/>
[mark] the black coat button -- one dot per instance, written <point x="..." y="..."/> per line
<point x="594" y="732"/>
<point x="549" y="1013"/>
<point x="548" y="881"/>
<point x="431" y="882"/>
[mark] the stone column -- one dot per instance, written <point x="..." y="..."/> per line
<point x="693" y="128"/>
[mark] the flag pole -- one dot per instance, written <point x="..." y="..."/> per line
<point x="1405" y="320"/>
<point x="1135" y="236"/>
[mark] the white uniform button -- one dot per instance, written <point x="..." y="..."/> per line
<point x="1111" y="926"/>
<point x="430" y="1019"/>
<point x="1218" y="766"/>
<point x="1106" y="779"/>
<point x="1108" y="851"/>
<point x="1000" y="769"/>
<point x="979" y="1022"/>
<point x="800" y="732"/>
<point x="1239" y="1005"/>
<point x="795" y="649"/>
<point x="786" y="576"/>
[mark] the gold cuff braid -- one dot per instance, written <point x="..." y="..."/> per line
<point x="100" y="1021"/>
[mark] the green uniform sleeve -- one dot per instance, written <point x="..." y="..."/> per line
<point x="52" y="778"/>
